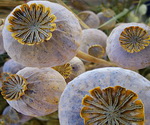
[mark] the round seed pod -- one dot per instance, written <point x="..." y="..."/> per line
<point x="93" y="42"/>
<point x="71" y="69"/>
<point x="77" y="68"/>
<point x="142" y="9"/>
<point x="131" y="17"/>
<point x="71" y="99"/>
<point x="89" y="18"/>
<point x="41" y="34"/>
<point x="12" y="66"/>
<point x="11" y="116"/>
<point x="35" y="91"/>
<point x="105" y="16"/>
<point x="128" y="46"/>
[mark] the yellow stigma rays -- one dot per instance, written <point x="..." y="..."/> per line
<point x="14" y="87"/>
<point x="65" y="70"/>
<point x="96" y="51"/>
<point x="134" y="39"/>
<point x="112" y="106"/>
<point x="32" y="24"/>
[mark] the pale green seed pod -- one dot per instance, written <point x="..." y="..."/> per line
<point x="142" y="9"/>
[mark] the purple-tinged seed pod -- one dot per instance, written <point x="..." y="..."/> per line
<point x="89" y="18"/>
<point x="12" y="66"/>
<point x="93" y="42"/>
<point x="41" y="34"/>
<point x="71" y="99"/>
<point x="105" y="16"/>
<point x="128" y="46"/>
<point x="34" y="91"/>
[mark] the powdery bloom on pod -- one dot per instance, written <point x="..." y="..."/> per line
<point x="89" y="18"/>
<point x="112" y="105"/>
<point x="71" y="99"/>
<point x="93" y="42"/>
<point x="128" y="46"/>
<point x="34" y="91"/>
<point x="41" y="34"/>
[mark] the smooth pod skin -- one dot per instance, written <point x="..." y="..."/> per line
<point x="44" y="88"/>
<point x="58" y="50"/>
<point x="89" y="18"/>
<point x="70" y="101"/>
<point x="92" y="37"/>
<point x="105" y="16"/>
<point x="77" y="68"/>
<point x="122" y="58"/>
<point x="12" y="66"/>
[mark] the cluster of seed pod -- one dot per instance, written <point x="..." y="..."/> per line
<point x="43" y="38"/>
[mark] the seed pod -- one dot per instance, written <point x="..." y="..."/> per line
<point x="142" y="10"/>
<point x="128" y="46"/>
<point x="41" y="34"/>
<point x="11" y="116"/>
<point x="93" y="42"/>
<point x="89" y="18"/>
<point x="105" y="16"/>
<point x="12" y="66"/>
<point x="131" y="17"/>
<point x="34" y="91"/>
<point x="77" y="68"/>
<point x="130" y="82"/>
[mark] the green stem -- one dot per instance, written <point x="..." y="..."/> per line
<point x="81" y="22"/>
<point x="139" y="3"/>
<point x="123" y="13"/>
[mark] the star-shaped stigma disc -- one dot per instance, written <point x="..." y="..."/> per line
<point x="32" y="24"/>
<point x="112" y="106"/>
